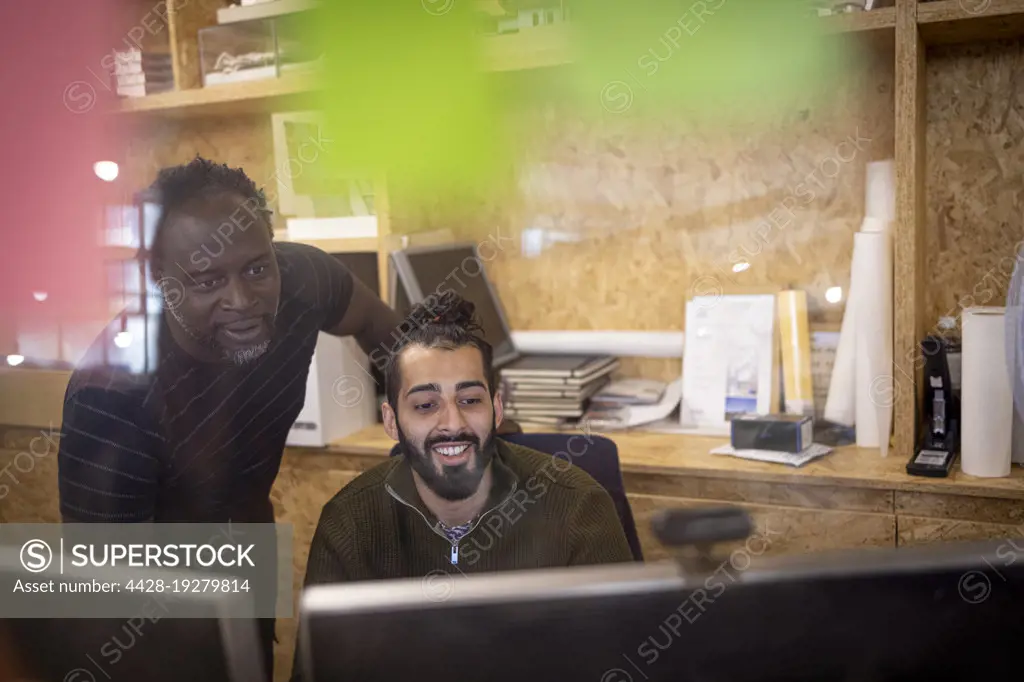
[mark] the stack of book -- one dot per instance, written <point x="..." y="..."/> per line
<point x="553" y="390"/>
<point x="138" y="74"/>
<point x="622" y="402"/>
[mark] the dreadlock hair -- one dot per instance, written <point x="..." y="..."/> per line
<point x="201" y="178"/>
<point x="444" y="321"/>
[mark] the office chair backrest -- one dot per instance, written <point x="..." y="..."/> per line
<point x="596" y="455"/>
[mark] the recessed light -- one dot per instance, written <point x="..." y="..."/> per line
<point x="105" y="170"/>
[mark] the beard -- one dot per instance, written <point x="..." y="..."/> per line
<point x="244" y="356"/>
<point x="452" y="483"/>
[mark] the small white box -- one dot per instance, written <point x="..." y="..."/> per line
<point x="341" y="395"/>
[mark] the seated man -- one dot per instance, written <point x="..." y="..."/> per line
<point x="458" y="499"/>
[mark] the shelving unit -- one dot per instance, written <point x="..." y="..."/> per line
<point x="910" y="27"/>
<point x="539" y="47"/>
<point x="918" y="26"/>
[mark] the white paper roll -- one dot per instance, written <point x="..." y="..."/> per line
<point x="841" y="404"/>
<point x="874" y="337"/>
<point x="880" y="190"/>
<point x="986" y="401"/>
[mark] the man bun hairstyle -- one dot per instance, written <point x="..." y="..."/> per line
<point x="442" y="321"/>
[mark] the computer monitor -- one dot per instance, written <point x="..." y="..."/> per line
<point x="212" y="645"/>
<point x="423" y="271"/>
<point x="398" y="297"/>
<point x="937" y="613"/>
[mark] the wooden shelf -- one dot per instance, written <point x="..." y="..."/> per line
<point x="960" y="21"/>
<point x="254" y="97"/>
<point x="878" y="20"/>
<point x="533" y="48"/>
<point x="266" y="10"/>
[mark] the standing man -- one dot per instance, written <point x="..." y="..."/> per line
<point x="199" y="437"/>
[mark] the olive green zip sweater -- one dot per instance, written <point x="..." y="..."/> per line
<point x="542" y="512"/>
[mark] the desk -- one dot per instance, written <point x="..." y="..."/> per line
<point x="850" y="498"/>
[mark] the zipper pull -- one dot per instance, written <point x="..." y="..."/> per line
<point x="455" y="554"/>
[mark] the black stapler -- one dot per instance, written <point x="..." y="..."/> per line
<point x="941" y="443"/>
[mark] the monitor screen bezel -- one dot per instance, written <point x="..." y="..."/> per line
<point x="567" y="584"/>
<point x="504" y="354"/>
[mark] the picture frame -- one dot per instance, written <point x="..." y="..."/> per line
<point x="310" y="183"/>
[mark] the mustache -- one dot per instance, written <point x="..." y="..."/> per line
<point x="459" y="438"/>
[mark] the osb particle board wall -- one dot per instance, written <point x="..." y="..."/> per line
<point x="975" y="179"/>
<point x="641" y="216"/>
<point x="245" y="141"/>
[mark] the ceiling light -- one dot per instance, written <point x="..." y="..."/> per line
<point x="105" y="170"/>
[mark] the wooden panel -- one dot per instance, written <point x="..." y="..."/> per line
<point x="299" y="497"/>
<point x="916" y="530"/>
<point x="762" y="492"/>
<point x="188" y="16"/>
<point x="240" y="142"/>
<point x="908" y="242"/>
<point x="778" y="530"/>
<point x="626" y="217"/>
<point x="643" y="452"/>
<point x="32" y="397"/>
<point x="975" y="172"/>
<point x="28" y="484"/>
<point x="963" y="507"/>
<point x="958" y="21"/>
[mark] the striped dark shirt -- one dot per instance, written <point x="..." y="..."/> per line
<point x="196" y="442"/>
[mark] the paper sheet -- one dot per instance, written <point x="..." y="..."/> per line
<point x="796" y="459"/>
